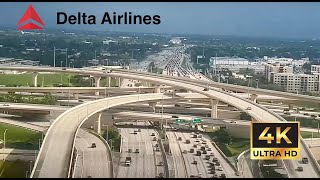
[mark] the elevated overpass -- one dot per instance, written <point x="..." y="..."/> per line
<point x="258" y="112"/>
<point x="214" y="85"/>
<point x="54" y="156"/>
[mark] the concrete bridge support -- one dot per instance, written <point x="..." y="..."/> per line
<point x="214" y="108"/>
<point x="35" y="79"/>
<point x="76" y="96"/>
<point x="290" y="106"/>
<point x="253" y="98"/>
<point x="153" y="105"/>
<point x="157" y="89"/>
<point x="119" y="82"/>
<point x="97" y="83"/>
<point x="109" y="81"/>
<point x="99" y="123"/>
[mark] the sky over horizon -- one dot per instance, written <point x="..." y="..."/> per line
<point x="286" y="20"/>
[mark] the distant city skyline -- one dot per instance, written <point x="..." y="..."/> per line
<point x="285" y="20"/>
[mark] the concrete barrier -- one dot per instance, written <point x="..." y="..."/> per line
<point x="165" y="164"/>
<point x="224" y="156"/>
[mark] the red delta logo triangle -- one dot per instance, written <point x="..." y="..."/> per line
<point x="30" y="14"/>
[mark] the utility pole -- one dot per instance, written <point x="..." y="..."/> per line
<point x="54" y="56"/>
<point x="66" y="57"/>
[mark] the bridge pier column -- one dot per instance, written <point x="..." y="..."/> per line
<point x="97" y="84"/>
<point x="76" y="96"/>
<point x="290" y="106"/>
<point x="153" y="105"/>
<point x="157" y="89"/>
<point x="109" y="81"/>
<point x="99" y="123"/>
<point x="35" y="79"/>
<point x="253" y="98"/>
<point x="119" y="82"/>
<point x="214" y="108"/>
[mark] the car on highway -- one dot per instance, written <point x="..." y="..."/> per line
<point x="215" y="159"/>
<point x="198" y="153"/>
<point x="215" y="176"/>
<point x="206" y="89"/>
<point x="179" y="138"/>
<point x="175" y="116"/>
<point x="128" y="161"/>
<point x="300" y="168"/>
<point x="161" y="175"/>
<point x="191" y="150"/>
<point x="64" y="69"/>
<point x="160" y="164"/>
<point x="137" y="151"/>
<point x="220" y="168"/>
<point x="249" y="108"/>
<point x="195" y="146"/>
<point x="93" y="145"/>
<point x="211" y="154"/>
<point x="223" y="175"/>
<point x="185" y="152"/>
<point x="129" y="150"/>
<point x="197" y="140"/>
<point x="204" y="152"/>
<point x="154" y="139"/>
<point x="206" y="146"/>
<point x="207" y="157"/>
<point x="188" y="141"/>
<point x="305" y="160"/>
<point x="233" y="121"/>
<point x="89" y="177"/>
<point x="194" y="162"/>
<point x="5" y="104"/>
<point x="153" y="134"/>
<point x="134" y="132"/>
<point x="193" y="176"/>
<point x="212" y="171"/>
<point x="217" y="163"/>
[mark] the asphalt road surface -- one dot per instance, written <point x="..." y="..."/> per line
<point x="94" y="162"/>
<point x="144" y="164"/>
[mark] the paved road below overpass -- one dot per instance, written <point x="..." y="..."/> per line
<point x="144" y="164"/>
<point x="94" y="162"/>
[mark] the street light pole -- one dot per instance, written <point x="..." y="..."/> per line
<point x="68" y="90"/>
<point x="257" y="80"/>
<point x="4" y="144"/>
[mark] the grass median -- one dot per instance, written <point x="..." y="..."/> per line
<point x="20" y="138"/>
<point x="14" y="169"/>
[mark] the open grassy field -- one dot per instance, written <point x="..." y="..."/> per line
<point x="235" y="148"/>
<point x="305" y="134"/>
<point x="20" y="138"/>
<point x="11" y="80"/>
<point x="14" y="169"/>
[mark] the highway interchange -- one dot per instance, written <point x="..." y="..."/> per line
<point x="64" y="129"/>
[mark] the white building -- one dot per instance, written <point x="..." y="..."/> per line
<point x="297" y="83"/>
<point x="315" y="69"/>
<point x="271" y="69"/>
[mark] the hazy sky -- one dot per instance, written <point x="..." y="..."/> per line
<point x="300" y="20"/>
